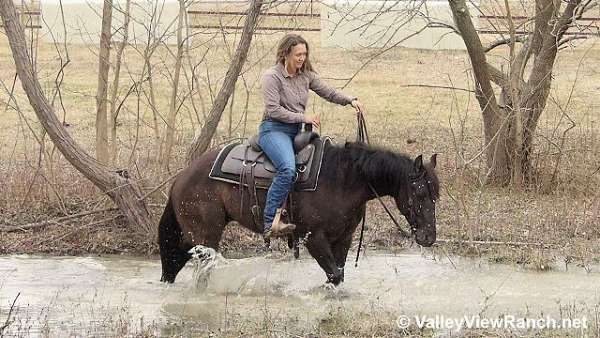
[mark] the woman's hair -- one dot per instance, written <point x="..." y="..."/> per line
<point x="285" y="48"/>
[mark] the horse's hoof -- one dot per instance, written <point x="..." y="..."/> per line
<point x="203" y="253"/>
<point x="205" y="263"/>
<point x="336" y="278"/>
<point x="329" y="286"/>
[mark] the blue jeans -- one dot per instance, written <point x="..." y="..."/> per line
<point x="276" y="140"/>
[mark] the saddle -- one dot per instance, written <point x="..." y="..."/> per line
<point x="238" y="160"/>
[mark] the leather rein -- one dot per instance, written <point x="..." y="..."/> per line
<point x="362" y="136"/>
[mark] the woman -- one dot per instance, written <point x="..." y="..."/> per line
<point x="285" y="92"/>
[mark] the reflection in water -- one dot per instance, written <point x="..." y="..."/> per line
<point x="66" y="295"/>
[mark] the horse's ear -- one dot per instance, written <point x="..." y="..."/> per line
<point x="433" y="161"/>
<point x="419" y="163"/>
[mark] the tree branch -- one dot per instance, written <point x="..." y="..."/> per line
<point x="503" y="41"/>
<point x="568" y="39"/>
<point x="202" y="140"/>
<point x="565" y="20"/>
<point x="544" y="10"/>
<point x="469" y="35"/>
<point x="72" y="151"/>
<point x="497" y="76"/>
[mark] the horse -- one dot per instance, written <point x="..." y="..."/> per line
<point x="199" y="208"/>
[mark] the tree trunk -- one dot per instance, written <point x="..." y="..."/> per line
<point x="203" y="138"/>
<point x="118" y="187"/>
<point x="495" y="120"/>
<point x="101" y="96"/>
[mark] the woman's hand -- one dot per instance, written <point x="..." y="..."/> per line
<point x="315" y="120"/>
<point x="358" y="106"/>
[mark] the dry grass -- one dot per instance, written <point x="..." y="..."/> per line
<point x="337" y="320"/>
<point x="560" y="210"/>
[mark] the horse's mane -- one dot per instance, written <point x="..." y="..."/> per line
<point x="387" y="171"/>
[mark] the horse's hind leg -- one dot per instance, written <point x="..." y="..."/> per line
<point x="319" y="247"/>
<point x="173" y="252"/>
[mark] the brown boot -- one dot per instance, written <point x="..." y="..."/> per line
<point x="279" y="229"/>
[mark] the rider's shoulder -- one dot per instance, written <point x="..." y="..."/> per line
<point x="273" y="71"/>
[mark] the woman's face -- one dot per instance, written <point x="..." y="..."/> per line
<point x="295" y="59"/>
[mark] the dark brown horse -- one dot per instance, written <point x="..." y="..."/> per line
<point x="199" y="208"/>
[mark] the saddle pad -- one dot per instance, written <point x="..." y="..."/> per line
<point x="230" y="161"/>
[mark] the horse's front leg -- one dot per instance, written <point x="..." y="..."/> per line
<point x="342" y="245"/>
<point x="319" y="247"/>
<point x="340" y="252"/>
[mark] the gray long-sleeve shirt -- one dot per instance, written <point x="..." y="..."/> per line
<point x="285" y="96"/>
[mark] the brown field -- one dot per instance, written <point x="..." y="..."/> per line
<point x="559" y="213"/>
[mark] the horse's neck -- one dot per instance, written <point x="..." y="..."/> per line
<point x="365" y="191"/>
<point x="381" y="180"/>
<point x="357" y="189"/>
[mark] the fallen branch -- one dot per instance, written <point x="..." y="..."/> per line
<point x="440" y="87"/>
<point x="161" y="184"/>
<point x="56" y="221"/>
<point x="507" y="243"/>
<point x="85" y="226"/>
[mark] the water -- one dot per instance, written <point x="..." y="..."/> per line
<point x="93" y="295"/>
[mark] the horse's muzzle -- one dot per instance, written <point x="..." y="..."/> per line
<point x="425" y="237"/>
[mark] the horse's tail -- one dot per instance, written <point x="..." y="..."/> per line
<point x="173" y="254"/>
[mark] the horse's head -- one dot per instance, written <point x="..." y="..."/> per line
<point x="417" y="200"/>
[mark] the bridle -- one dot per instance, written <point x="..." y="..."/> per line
<point x="412" y="213"/>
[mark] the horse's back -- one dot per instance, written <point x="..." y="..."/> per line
<point x="192" y="183"/>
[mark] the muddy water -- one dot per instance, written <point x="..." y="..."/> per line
<point x="89" y="296"/>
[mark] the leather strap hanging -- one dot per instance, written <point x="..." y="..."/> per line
<point x="362" y="136"/>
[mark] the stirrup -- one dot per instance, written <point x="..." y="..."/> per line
<point x="281" y="229"/>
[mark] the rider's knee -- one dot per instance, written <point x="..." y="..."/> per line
<point x="288" y="172"/>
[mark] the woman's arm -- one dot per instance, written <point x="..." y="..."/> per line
<point x="273" y="108"/>
<point x="327" y="92"/>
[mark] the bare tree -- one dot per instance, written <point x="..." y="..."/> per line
<point x="204" y="136"/>
<point x="114" y="111"/>
<point x="124" y="192"/>
<point x="101" y="96"/>
<point x="510" y="117"/>
<point x="169" y="138"/>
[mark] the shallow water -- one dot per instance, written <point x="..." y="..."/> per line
<point x="90" y="296"/>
